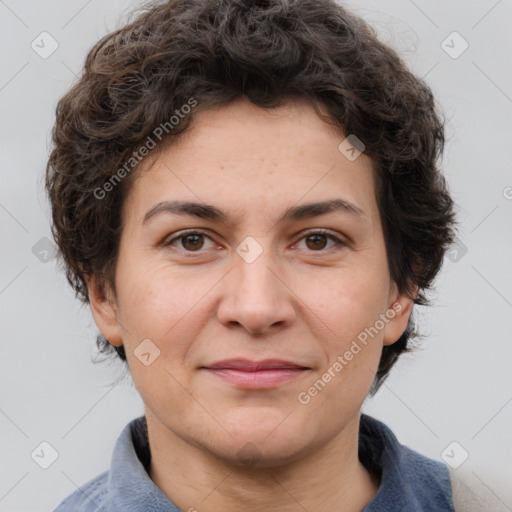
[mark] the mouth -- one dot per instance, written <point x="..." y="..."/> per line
<point x="247" y="374"/>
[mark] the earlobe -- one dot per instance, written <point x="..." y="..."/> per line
<point x="398" y="313"/>
<point x="104" y="311"/>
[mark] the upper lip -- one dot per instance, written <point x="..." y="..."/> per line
<point x="251" y="366"/>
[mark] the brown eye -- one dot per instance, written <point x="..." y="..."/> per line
<point x="192" y="242"/>
<point x="317" y="241"/>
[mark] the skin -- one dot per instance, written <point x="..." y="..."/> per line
<point x="302" y="299"/>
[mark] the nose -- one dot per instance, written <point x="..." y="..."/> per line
<point x="256" y="296"/>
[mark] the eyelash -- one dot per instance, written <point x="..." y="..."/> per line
<point x="339" y="243"/>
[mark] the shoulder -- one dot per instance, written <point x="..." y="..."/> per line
<point x="88" y="498"/>
<point x="409" y="480"/>
<point x="428" y="478"/>
<point x="380" y="445"/>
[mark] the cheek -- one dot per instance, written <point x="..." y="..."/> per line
<point x="347" y="308"/>
<point x="158" y="303"/>
<point x="160" y="306"/>
<point x="349" y="300"/>
<point x="352" y="349"/>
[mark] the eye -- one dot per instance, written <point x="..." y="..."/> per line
<point x="316" y="241"/>
<point x="190" y="241"/>
<point x="193" y="241"/>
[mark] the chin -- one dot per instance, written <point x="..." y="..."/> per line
<point x="261" y="455"/>
<point x="259" y="424"/>
<point x="258" y="442"/>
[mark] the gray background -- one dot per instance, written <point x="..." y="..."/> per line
<point x="458" y="387"/>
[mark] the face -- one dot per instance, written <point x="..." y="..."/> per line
<point x="252" y="273"/>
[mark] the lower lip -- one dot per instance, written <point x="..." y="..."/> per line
<point x="260" y="379"/>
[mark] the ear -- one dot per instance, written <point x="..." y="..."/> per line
<point x="399" y="311"/>
<point x="104" y="310"/>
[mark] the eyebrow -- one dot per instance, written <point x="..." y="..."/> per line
<point x="294" y="213"/>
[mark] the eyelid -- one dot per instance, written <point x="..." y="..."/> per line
<point x="320" y="231"/>
<point x="182" y="234"/>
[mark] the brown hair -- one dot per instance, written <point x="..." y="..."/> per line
<point x="136" y="78"/>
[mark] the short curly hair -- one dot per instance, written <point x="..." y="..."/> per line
<point x="268" y="51"/>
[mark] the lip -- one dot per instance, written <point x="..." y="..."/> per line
<point x="246" y="365"/>
<point x="247" y="374"/>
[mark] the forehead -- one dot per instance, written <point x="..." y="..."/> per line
<point x="246" y="159"/>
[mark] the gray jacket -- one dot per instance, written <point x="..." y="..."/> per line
<point x="409" y="481"/>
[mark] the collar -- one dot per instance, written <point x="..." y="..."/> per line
<point x="409" y="481"/>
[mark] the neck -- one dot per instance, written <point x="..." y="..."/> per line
<point x="195" y="480"/>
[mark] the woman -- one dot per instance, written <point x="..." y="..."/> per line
<point x="247" y="195"/>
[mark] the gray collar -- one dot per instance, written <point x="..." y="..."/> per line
<point x="409" y="481"/>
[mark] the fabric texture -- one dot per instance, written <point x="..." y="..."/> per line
<point x="409" y="481"/>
